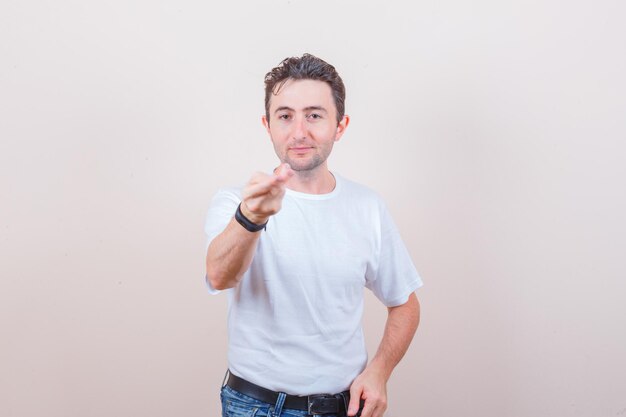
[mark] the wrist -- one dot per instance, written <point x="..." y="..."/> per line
<point x="254" y="218"/>
<point x="380" y="368"/>
<point x="250" y="221"/>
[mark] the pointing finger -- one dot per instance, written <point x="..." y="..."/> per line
<point x="283" y="172"/>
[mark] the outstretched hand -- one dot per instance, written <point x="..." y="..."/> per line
<point x="263" y="195"/>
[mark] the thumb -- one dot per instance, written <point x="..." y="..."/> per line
<point x="355" y="399"/>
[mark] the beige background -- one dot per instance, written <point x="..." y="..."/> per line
<point x="495" y="131"/>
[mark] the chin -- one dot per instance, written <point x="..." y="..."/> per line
<point x="307" y="165"/>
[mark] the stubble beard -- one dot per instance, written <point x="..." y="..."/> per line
<point x="308" y="165"/>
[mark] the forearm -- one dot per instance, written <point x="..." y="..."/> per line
<point x="371" y="385"/>
<point x="402" y="322"/>
<point x="229" y="255"/>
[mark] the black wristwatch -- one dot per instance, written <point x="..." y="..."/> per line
<point x="246" y="223"/>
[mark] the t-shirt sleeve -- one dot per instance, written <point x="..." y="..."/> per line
<point x="393" y="277"/>
<point x="221" y="211"/>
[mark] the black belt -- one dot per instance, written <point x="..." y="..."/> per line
<point x="313" y="404"/>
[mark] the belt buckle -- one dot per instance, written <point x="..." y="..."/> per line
<point x="322" y="404"/>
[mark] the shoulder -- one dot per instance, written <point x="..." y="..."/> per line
<point x="358" y="191"/>
<point x="224" y="201"/>
<point x="221" y="209"/>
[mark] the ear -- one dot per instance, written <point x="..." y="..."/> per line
<point x="266" y="123"/>
<point x="341" y="127"/>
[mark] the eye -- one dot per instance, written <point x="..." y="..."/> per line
<point x="314" y="116"/>
<point x="284" y="116"/>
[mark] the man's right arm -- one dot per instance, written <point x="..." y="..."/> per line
<point x="231" y="252"/>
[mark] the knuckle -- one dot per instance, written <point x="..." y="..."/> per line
<point x="377" y="399"/>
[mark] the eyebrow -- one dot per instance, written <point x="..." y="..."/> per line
<point x="309" y="108"/>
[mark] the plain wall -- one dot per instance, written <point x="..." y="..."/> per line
<point x="494" y="130"/>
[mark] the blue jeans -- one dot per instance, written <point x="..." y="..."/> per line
<point x="236" y="404"/>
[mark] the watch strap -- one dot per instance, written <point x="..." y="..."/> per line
<point x="246" y="223"/>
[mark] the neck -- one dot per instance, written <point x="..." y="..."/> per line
<point x="312" y="182"/>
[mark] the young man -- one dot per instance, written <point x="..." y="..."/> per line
<point x="294" y="251"/>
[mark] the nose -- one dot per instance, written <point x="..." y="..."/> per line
<point x="299" y="128"/>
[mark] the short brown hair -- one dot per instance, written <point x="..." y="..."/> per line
<point x="307" y="67"/>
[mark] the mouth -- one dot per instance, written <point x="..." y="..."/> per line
<point x="300" y="149"/>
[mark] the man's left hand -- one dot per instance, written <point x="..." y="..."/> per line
<point x="370" y="386"/>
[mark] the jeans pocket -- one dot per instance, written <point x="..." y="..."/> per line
<point x="235" y="404"/>
<point x="236" y="409"/>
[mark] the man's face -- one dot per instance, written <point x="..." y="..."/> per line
<point x="303" y="124"/>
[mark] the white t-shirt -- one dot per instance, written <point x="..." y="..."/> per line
<point x="294" y="320"/>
